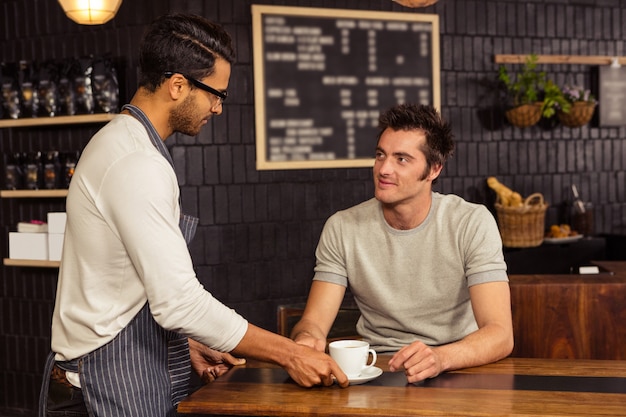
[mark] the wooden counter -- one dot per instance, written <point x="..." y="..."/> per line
<point x="571" y="316"/>
<point x="511" y="387"/>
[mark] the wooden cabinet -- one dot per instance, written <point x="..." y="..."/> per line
<point x="571" y="316"/>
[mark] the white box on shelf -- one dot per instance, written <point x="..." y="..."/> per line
<point x="33" y="246"/>
<point x="55" y="246"/>
<point x="33" y="226"/>
<point x="56" y="222"/>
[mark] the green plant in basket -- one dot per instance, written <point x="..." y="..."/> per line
<point x="529" y="94"/>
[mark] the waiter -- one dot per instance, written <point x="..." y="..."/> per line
<point x="129" y="305"/>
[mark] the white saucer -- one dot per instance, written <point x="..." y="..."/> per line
<point x="559" y="240"/>
<point x="367" y="375"/>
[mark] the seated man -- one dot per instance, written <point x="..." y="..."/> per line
<point x="426" y="270"/>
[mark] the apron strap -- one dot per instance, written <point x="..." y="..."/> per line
<point x="188" y="224"/>
<point x="45" y="385"/>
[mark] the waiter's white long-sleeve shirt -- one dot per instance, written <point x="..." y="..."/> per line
<point x="123" y="247"/>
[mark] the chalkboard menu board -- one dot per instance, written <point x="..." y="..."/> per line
<point x="322" y="77"/>
<point x="612" y="96"/>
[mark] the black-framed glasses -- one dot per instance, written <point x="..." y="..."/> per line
<point x="222" y="95"/>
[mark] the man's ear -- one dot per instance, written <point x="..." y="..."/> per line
<point x="175" y="85"/>
<point x="435" y="171"/>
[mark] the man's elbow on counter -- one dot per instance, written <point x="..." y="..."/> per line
<point x="508" y="346"/>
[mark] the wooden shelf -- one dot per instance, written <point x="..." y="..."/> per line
<point x="33" y="193"/>
<point x="562" y="59"/>
<point x="59" y="120"/>
<point x="31" y="263"/>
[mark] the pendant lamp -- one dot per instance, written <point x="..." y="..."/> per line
<point x="416" y="3"/>
<point x="90" y="12"/>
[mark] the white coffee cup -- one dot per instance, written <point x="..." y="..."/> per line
<point x="351" y="356"/>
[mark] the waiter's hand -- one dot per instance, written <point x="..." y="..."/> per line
<point x="418" y="361"/>
<point x="210" y="364"/>
<point x="308" y="367"/>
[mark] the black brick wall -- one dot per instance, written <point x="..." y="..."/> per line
<point x="258" y="230"/>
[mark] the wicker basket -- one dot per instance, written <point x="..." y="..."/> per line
<point x="522" y="227"/>
<point x="579" y="115"/>
<point x="524" y="115"/>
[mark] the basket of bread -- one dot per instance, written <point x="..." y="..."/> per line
<point x="521" y="220"/>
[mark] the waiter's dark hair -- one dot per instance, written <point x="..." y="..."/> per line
<point x="184" y="43"/>
<point x="439" y="138"/>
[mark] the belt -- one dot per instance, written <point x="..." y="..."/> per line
<point x="58" y="375"/>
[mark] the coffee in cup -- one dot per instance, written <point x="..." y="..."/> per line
<point x="352" y="356"/>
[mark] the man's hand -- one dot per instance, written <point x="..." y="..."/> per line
<point x="418" y="361"/>
<point x="210" y="364"/>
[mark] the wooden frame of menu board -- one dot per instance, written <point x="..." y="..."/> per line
<point x="322" y="77"/>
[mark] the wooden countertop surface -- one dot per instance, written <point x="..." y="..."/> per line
<point x="511" y="387"/>
<point x="612" y="272"/>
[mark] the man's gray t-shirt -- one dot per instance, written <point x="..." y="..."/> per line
<point x="412" y="284"/>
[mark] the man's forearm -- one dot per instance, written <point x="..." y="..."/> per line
<point x="262" y="345"/>
<point x="305" y="365"/>
<point x="307" y="328"/>
<point x="486" y="345"/>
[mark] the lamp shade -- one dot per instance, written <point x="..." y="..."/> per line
<point x="416" y="3"/>
<point x="90" y="12"/>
